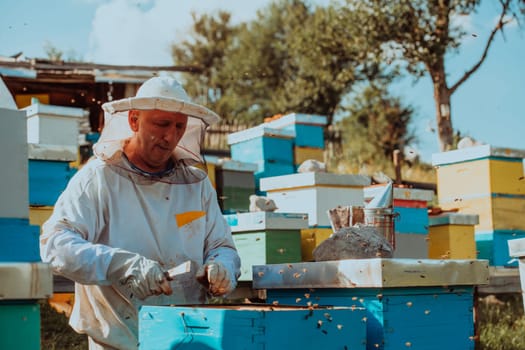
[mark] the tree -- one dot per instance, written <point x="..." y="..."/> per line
<point x="206" y="50"/>
<point x="376" y="124"/>
<point x="291" y="58"/>
<point x="52" y="52"/>
<point x="421" y="32"/>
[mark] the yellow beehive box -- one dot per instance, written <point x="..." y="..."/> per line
<point x="305" y="153"/>
<point x="310" y="239"/>
<point x="479" y="177"/>
<point x="495" y="212"/>
<point x="479" y="170"/>
<point x="452" y="236"/>
<point x="39" y="215"/>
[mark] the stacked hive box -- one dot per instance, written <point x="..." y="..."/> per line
<point x="270" y="149"/>
<point x="52" y="136"/>
<point x="308" y="129"/>
<point x="451" y="236"/>
<point x="487" y="181"/>
<point x="408" y="301"/>
<point x="235" y="182"/>
<point x="24" y="279"/>
<point x="266" y="238"/>
<point x="410" y="219"/>
<point x="314" y="194"/>
<point x="236" y="327"/>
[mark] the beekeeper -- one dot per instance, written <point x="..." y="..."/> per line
<point x="137" y="209"/>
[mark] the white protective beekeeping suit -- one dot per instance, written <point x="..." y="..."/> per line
<point x="112" y="214"/>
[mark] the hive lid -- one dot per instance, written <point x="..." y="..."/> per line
<point x="453" y="219"/>
<point x="25" y="281"/>
<point x="297" y="118"/>
<point x="264" y="220"/>
<point x="40" y="151"/>
<point x="235" y="165"/>
<point x="37" y="109"/>
<point x="312" y="179"/>
<point x="371" y="273"/>
<point x="476" y="152"/>
<point x="259" y="131"/>
<point x="415" y="194"/>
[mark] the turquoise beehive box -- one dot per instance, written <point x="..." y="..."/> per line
<point x="308" y="128"/>
<point x="247" y="327"/>
<point x="408" y="301"/>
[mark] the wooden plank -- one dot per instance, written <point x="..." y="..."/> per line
<point x="371" y="273"/>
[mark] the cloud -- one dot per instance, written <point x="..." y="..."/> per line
<point x="141" y="32"/>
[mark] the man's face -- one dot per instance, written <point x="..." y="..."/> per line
<point x="156" y="135"/>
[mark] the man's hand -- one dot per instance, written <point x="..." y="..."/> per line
<point x="216" y="278"/>
<point x="142" y="277"/>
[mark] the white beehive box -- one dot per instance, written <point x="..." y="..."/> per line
<point x="263" y="220"/>
<point x="22" y="280"/>
<point x="517" y="251"/>
<point x="315" y="193"/>
<point x="54" y="125"/>
<point x="14" y="186"/>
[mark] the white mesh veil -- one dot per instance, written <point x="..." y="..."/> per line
<point x="163" y="93"/>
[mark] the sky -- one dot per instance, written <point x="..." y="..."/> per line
<point x="488" y="107"/>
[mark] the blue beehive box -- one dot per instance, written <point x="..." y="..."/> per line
<point x="493" y="245"/>
<point x="18" y="241"/>
<point x="47" y="180"/>
<point x="406" y="301"/>
<point x="236" y="327"/>
<point x="308" y="128"/>
<point x="261" y="144"/>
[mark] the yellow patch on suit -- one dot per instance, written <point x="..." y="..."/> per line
<point x="187" y="217"/>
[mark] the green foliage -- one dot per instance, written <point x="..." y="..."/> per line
<point x="418" y="34"/>
<point x="52" y="52"/>
<point x="375" y="126"/>
<point x="502" y="323"/>
<point x="291" y="58"/>
<point x="206" y="50"/>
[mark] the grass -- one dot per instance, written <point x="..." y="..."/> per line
<point x="501" y="324"/>
<point x="56" y="334"/>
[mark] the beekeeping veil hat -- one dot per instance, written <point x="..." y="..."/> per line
<point x="163" y="93"/>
